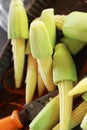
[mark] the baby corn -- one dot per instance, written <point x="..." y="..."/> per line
<point x="31" y="75"/>
<point x="18" y="32"/>
<point x="64" y="74"/>
<point x="31" y="78"/>
<point x="45" y="68"/>
<point x="40" y="41"/>
<point x="18" y="49"/>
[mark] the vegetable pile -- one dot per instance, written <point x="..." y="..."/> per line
<point x="50" y="64"/>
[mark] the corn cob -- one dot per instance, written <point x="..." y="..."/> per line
<point x="40" y="41"/>
<point x="18" y="46"/>
<point x="45" y="68"/>
<point x="40" y="85"/>
<point x="73" y="45"/>
<point x="31" y="74"/>
<point x="77" y="116"/>
<point x="59" y="21"/>
<point x="31" y="78"/>
<point x="49" y="115"/>
<point x="80" y="87"/>
<point x="64" y="74"/>
<point x="17" y="22"/>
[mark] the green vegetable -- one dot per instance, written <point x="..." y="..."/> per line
<point x="64" y="74"/>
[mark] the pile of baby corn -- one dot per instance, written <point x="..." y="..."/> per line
<point x="50" y="65"/>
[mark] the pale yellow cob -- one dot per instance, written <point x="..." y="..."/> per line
<point x="18" y="46"/>
<point x="77" y="116"/>
<point x="31" y="78"/>
<point x="45" y="68"/>
<point x="59" y="21"/>
<point x="40" y="85"/>
<point x="65" y="103"/>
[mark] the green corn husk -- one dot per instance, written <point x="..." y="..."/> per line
<point x="74" y="26"/>
<point x="64" y="74"/>
<point x="47" y="16"/>
<point x="47" y="117"/>
<point x="80" y="87"/>
<point x="17" y="21"/>
<point x="40" y="40"/>
<point x="73" y="45"/>
<point x="63" y="65"/>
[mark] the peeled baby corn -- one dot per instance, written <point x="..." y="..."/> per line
<point x="45" y="68"/>
<point x="18" y="46"/>
<point x="76" y="117"/>
<point x="41" y="48"/>
<point x="64" y="74"/>
<point x="40" y="84"/>
<point x="59" y="21"/>
<point x="31" y="78"/>
<point x="18" y="32"/>
<point x="31" y="75"/>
